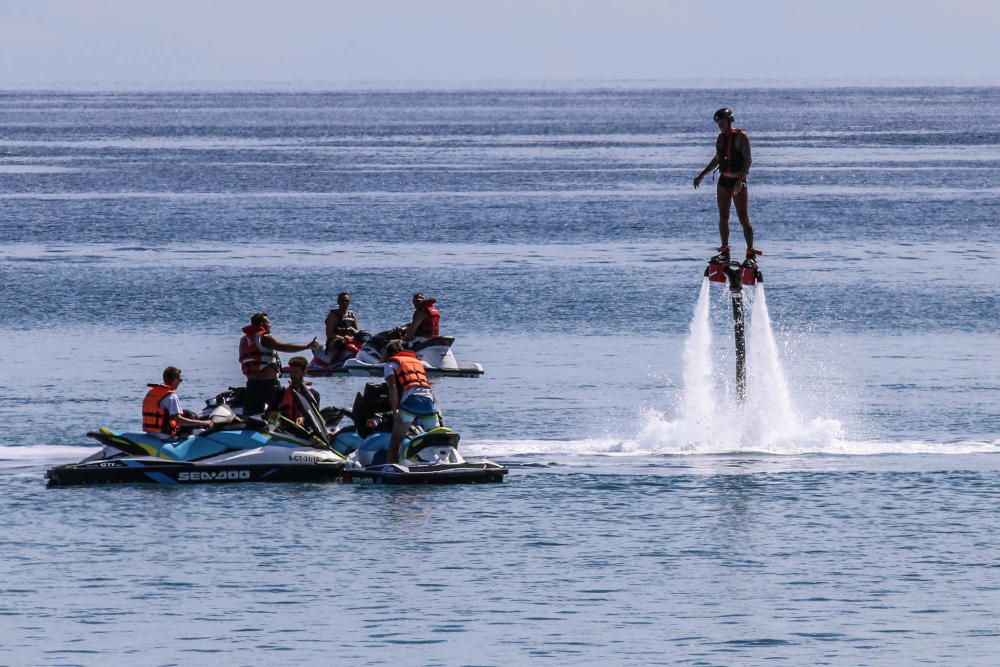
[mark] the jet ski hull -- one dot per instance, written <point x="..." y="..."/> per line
<point x="468" y="369"/>
<point x="151" y="470"/>
<point x="470" y="472"/>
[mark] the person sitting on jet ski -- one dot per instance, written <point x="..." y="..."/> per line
<point x="162" y="414"/>
<point x="426" y="318"/>
<point x="259" y="360"/>
<point x="410" y="395"/>
<point x="341" y="324"/>
<point x="284" y="400"/>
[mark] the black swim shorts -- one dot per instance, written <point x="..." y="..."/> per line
<point x="729" y="182"/>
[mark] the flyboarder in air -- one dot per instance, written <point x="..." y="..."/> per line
<point x="732" y="157"/>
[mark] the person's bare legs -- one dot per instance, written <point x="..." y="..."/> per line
<point x="725" y="198"/>
<point x="399" y="428"/>
<point x="742" y="201"/>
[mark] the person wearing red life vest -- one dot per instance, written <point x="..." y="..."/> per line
<point x="162" y="414"/>
<point x="260" y="363"/>
<point x="285" y="401"/>
<point x="410" y="395"/>
<point x="426" y="318"/>
<point x="732" y="157"/>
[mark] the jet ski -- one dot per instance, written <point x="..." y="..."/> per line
<point x="233" y="450"/>
<point x="426" y="457"/>
<point x="434" y="352"/>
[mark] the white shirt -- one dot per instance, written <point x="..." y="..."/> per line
<point x="171" y="404"/>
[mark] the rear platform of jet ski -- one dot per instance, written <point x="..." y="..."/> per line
<point x="356" y="368"/>
<point x="469" y="472"/>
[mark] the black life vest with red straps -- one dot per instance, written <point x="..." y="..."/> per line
<point x="347" y="325"/>
<point x="731" y="159"/>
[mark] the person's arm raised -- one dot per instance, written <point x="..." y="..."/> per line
<point x="275" y="344"/>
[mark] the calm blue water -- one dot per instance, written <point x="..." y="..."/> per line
<point x="562" y="237"/>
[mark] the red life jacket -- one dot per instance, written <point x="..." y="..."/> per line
<point x="411" y="371"/>
<point x="429" y="327"/>
<point x="154" y="418"/>
<point x="730" y="158"/>
<point x="254" y="355"/>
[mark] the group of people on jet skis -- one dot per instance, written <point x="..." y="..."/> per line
<point x="411" y="399"/>
<point x="344" y="336"/>
<point x="342" y="323"/>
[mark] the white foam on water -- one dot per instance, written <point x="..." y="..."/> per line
<point x="709" y="421"/>
<point x="43" y="454"/>
<point x="646" y="445"/>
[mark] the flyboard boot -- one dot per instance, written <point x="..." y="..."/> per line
<point x="751" y="261"/>
<point x="722" y="257"/>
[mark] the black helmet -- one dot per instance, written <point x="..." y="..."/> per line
<point x="724" y="112"/>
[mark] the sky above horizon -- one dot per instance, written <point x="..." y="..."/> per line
<point x="303" y="41"/>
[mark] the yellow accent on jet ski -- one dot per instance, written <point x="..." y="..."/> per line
<point x="317" y="441"/>
<point x="149" y="449"/>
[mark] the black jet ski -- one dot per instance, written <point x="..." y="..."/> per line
<point x="233" y="450"/>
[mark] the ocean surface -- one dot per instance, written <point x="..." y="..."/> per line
<point x="845" y="515"/>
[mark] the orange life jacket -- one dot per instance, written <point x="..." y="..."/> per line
<point x="154" y="418"/>
<point x="411" y="371"/>
<point x="254" y="355"/>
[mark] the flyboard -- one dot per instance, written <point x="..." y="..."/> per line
<point x="737" y="276"/>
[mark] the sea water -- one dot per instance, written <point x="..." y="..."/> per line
<point x="845" y="514"/>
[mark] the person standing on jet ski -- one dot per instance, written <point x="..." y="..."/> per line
<point x="732" y="157"/>
<point x="410" y="395"/>
<point x="426" y="318"/>
<point x="341" y="325"/>
<point x="162" y="414"/>
<point x="284" y="400"/>
<point x="260" y="363"/>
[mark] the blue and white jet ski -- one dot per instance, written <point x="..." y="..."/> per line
<point x="231" y="451"/>
<point x="426" y="457"/>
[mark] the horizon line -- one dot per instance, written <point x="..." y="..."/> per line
<point x="432" y="85"/>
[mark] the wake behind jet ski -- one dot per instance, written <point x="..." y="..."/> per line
<point x="425" y="457"/>
<point x="232" y="450"/>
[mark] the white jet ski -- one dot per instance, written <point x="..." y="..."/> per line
<point x="426" y="457"/>
<point x="434" y="352"/>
